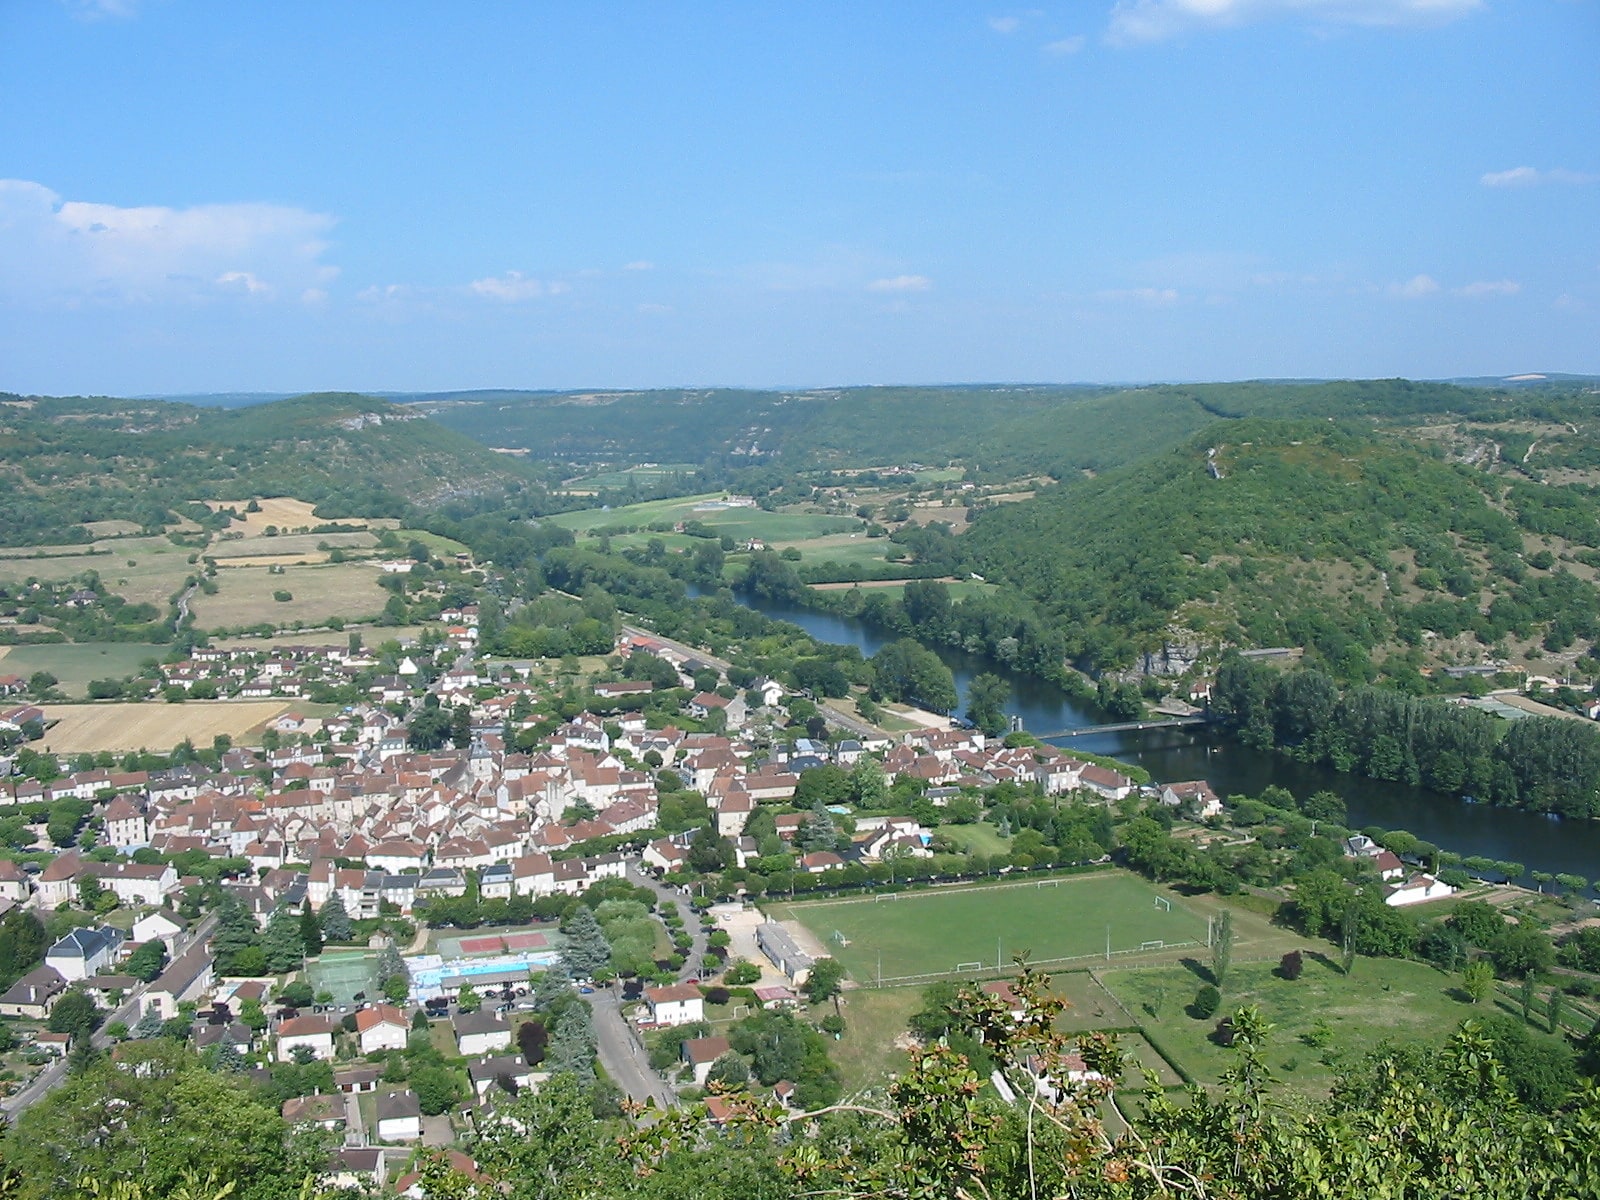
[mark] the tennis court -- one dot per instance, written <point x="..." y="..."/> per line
<point x="344" y="973"/>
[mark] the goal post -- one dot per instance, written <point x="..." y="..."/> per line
<point x="970" y="966"/>
<point x="1163" y="904"/>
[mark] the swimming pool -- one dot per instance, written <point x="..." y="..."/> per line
<point x="433" y="976"/>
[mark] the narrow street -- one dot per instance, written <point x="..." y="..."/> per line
<point x="695" y="958"/>
<point x="622" y="1056"/>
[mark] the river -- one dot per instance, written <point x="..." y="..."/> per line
<point x="1503" y="834"/>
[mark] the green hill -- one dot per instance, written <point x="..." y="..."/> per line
<point x="68" y="461"/>
<point x="1337" y="537"/>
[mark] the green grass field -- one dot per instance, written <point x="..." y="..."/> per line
<point x="1383" y="999"/>
<point x="75" y="664"/>
<point x="926" y="933"/>
<point x="983" y="838"/>
<point x="739" y="523"/>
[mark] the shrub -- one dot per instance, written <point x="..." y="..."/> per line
<point x="1206" y="1002"/>
<point x="282" y="595"/>
<point x="1291" y="964"/>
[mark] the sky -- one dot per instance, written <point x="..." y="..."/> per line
<point x="401" y="196"/>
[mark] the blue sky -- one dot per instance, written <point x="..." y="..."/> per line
<point x="297" y="196"/>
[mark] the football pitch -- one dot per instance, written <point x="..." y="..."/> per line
<point x="972" y="929"/>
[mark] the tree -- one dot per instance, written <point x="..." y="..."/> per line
<point x="1291" y="965"/>
<point x="75" y="1014"/>
<point x="23" y="942"/>
<point x="710" y="852"/>
<point x="1206" y="1002"/>
<point x="586" y="951"/>
<point x="824" y="980"/>
<point x="1477" y="979"/>
<point x="335" y="919"/>
<point x="236" y="931"/>
<point x="395" y="989"/>
<point x="730" y="1071"/>
<point x="986" y="703"/>
<point x="310" y="932"/>
<point x="532" y="1040"/>
<point x="549" y="988"/>
<point x="281" y="943"/>
<point x="1526" y="998"/>
<point x="437" y="1089"/>
<point x="741" y="972"/>
<point x="1222" y="948"/>
<point x="1552" y="1010"/>
<point x="572" y="1044"/>
<point x="148" y="960"/>
<point x="468" y="1000"/>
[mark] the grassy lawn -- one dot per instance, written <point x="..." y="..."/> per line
<point x="873" y="1019"/>
<point x="841" y="548"/>
<point x="941" y="931"/>
<point x="245" y="596"/>
<point x="76" y="664"/>
<point x="982" y="838"/>
<point x="1382" y="1000"/>
<point x="140" y="570"/>
<point x="738" y="523"/>
<point x="437" y="544"/>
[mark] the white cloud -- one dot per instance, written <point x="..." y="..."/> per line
<point x="1135" y="21"/>
<point x="901" y="283"/>
<point x="1065" y="46"/>
<point x="1533" y="177"/>
<point x="99" y="10"/>
<point x="642" y="264"/>
<point x="1489" y="287"/>
<point x="1154" y="297"/>
<point x="243" y="281"/>
<point x="1005" y="24"/>
<point x="511" y="287"/>
<point x="55" y="250"/>
<point x="1414" y="288"/>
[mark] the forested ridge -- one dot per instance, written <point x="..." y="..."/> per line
<point x="1334" y="536"/>
<point x="64" y="461"/>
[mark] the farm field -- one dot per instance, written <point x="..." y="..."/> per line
<point x="140" y="570"/>
<point x="1384" y="999"/>
<point x="739" y="523"/>
<point x="950" y="930"/>
<point x="90" y="728"/>
<point x="244" y="596"/>
<point x="75" y="664"/>
<point x="305" y="545"/>
<point x="280" y="511"/>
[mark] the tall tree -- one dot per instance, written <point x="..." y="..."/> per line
<point x="1222" y="947"/>
<point x="587" y="950"/>
<point x="281" y="943"/>
<point x="986" y="703"/>
<point x="572" y="1045"/>
<point x="335" y="919"/>
<point x="310" y="931"/>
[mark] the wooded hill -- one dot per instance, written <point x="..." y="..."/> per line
<point x="68" y="461"/>
<point x="1338" y="536"/>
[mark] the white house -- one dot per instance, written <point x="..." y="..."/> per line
<point x="1194" y="797"/>
<point x="313" y="1032"/>
<point x="83" y="952"/>
<point x="399" y="1117"/>
<point x="678" y="1004"/>
<point x="701" y="1053"/>
<point x="381" y="1027"/>
<point x="1417" y="890"/>
<point x="481" y="1033"/>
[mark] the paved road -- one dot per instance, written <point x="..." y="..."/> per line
<point x="621" y="1055"/>
<point x="696" y="955"/>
